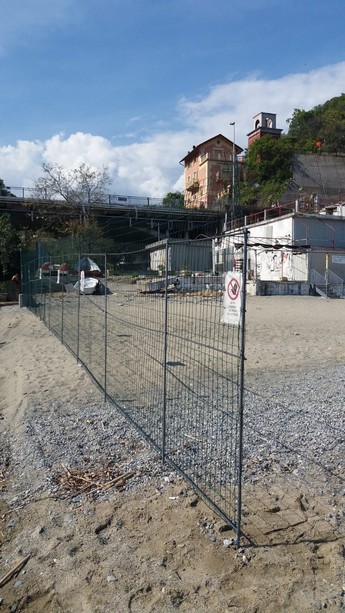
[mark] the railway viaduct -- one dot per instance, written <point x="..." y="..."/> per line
<point x="120" y="217"/>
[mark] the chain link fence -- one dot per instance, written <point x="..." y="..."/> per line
<point x="148" y="325"/>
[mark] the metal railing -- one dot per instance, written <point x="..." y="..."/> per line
<point x="28" y="193"/>
<point x="336" y="283"/>
<point x="316" y="277"/>
<point x="158" y="348"/>
<point x="329" y="283"/>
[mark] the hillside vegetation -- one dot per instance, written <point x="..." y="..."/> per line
<point x="268" y="163"/>
<point x="321" y="129"/>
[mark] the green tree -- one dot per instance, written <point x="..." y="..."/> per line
<point x="80" y="188"/>
<point x="269" y="159"/>
<point x="249" y="193"/>
<point x="9" y="243"/>
<point x="85" y="236"/>
<point x="268" y="170"/>
<point x="3" y="189"/>
<point x="174" y="200"/>
<point x="324" y="124"/>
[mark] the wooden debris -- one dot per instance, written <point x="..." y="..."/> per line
<point x="118" y="481"/>
<point x="193" y="438"/>
<point x="4" y="515"/>
<point x="76" y="481"/>
<point x="14" y="571"/>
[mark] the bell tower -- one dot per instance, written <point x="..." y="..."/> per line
<point x="264" y="124"/>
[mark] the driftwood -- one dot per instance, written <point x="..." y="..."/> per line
<point x="3" y="516"/>
<point x="118" y="480"/>
<point x="88" y="481"/>
<point x="14" y="571"/>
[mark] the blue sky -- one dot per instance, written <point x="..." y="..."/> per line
<point x="133" y="84"/>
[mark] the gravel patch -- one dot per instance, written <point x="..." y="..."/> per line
<point x="293" y="426"/>
<point x="298" y="423"/>
<point x="83" y="437"/>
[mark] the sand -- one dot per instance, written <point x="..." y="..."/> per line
<point x="158" y="547"/>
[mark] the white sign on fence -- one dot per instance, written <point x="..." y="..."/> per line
<point x="232" y="298"/>
<point x="338" y="259"/>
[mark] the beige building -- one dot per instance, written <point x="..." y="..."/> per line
<point x="210" y="172"/>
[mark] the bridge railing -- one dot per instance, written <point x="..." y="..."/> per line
<point x="16" y="192"/>
<point x="109" y="199"/>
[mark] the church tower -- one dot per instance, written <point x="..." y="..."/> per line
<point x="264" y="124"/>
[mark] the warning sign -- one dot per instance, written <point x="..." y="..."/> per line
<point x="233" y="288"/>
<point x="232" y="299"/>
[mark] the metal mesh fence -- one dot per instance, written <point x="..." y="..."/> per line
<point x="151" y="334"/>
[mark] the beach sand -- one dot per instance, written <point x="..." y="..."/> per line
<point x="157" y="547"/>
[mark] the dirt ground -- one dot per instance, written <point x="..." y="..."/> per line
<point x="158" y="547"/>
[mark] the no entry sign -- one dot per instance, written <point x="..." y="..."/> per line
<point x="232" y="299"/>
<point x="233" y="288"/>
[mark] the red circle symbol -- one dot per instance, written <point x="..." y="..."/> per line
<point x="233" y="289"/>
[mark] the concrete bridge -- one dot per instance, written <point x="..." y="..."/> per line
<point x="125" y="216"/>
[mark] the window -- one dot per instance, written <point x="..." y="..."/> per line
<point x="219" y="154"/>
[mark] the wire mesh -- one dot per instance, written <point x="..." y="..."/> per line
<point x="202" y="424"/>
<point x="152" y="338"/>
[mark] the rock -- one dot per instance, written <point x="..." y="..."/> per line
<point x="228" y="542"/>
<point x="111" y="578"/>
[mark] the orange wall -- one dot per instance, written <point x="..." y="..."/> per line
<point x="210" y="159"/>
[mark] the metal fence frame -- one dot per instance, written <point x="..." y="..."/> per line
<point x="206" y="396"/>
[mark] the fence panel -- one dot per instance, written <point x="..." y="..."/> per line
<point x="135" y="350"/>
<point x="203" y="390"/>
<point x="151" y="335"/>
<point x="91" y="315"/>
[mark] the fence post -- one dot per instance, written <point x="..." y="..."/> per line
<point x="241" y="383"/>
<point x="41" y="283"/>
<point x="105" y="326"/>
<point x="165" y="351"/>
<point x="62" y="316"/>
<point x="50" y="290"/>
<point x="78" y="315"/>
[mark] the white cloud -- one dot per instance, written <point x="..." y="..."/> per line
<point x="151" y="168"/>
<point x="240" y="100"/>
<point x="20" y="163"/>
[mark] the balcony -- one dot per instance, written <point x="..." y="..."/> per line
<point x="204" y="158"/>
<point x="192" y="185"/>
<point x="224" y="175"/>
